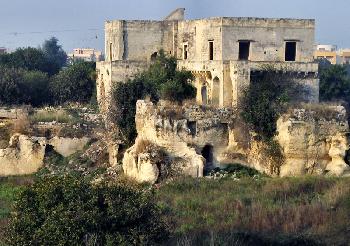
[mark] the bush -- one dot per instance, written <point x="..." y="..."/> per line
<point x="267" y="98"/>
<point x="70" y="210"/>
<point x="74" y="84"/>
<point x="160" y="81"/>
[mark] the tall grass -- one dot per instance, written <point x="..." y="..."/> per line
<point x="311" y="207"/>
<point x="59" y="116"/>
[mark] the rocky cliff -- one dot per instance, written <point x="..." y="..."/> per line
<point x="193" y="139"/>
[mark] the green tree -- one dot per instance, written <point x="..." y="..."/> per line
<point x="35" y="88"/>
<point x="70" y="210"/>
<point x="27" y="58"/>
<point x="266" y="98"/>
<point x="54" y="54"/>
<point x="10" y="85"/>
<point x="334" y="83"/>
<point x="161" y="81"/>
<point x="74" y="84"/>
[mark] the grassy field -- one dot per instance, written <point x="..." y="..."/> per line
<point x="9" y="187"/>
<point x="282" y="211"/>
<point x="248" y="211"/>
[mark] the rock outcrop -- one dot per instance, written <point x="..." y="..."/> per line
<point x="23" y="156"/>
<point x="197" y="138"/>
<point x="314" y="141"/>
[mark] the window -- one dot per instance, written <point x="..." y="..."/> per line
<point x="291" y="51"/>
<point x="211" y="50"/>
<point x="185" y="52"/>
<point x="110" y="52"/>
<point x="244" y="48"/>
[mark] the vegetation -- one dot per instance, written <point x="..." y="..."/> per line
<point x="38" y="77"/>
<point x="71" y="210"/>
<point x="266" y="98"/>
<point x="264" y="211"/>
<point x="74" y="84"/>
<point x="160" y="81"/>
<point x="334" y="83"/>
<point x="9" y="189"/>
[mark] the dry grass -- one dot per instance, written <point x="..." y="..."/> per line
<point x="314" y="207"/>
<point x="143" y="146"/>
<point x="21" y="125"/>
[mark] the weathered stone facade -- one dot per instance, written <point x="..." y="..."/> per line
<point x="197" y="138"/>
<point x="221" y="52"/>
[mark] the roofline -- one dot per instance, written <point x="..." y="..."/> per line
<point x="219" y="18"/>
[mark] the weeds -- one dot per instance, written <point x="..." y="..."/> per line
<point x="306" y="207"/>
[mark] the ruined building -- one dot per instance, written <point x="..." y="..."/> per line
<point x="222" y="52"/>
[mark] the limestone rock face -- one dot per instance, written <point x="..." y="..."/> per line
<point x="314" y="142"/>
<point x="68" y="146"/>
<point x="24" y="156"/>
<point x="187" y="134"/>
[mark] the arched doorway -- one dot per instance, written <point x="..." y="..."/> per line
<point x="216" y="91"/>
<point x="204" y="94"/>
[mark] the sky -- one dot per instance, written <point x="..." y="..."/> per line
<point x="80" y="23"/>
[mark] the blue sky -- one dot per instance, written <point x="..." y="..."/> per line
<point x="79" y="23"/>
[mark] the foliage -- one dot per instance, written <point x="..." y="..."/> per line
<point x="71" y="210"/>
<point x="27" y="58"/>
<point x="274" y="210"/>
<point x="48" y="59"/>
<point x="54" y="54"/>
<point x="74" y="84"/>
<point x="334" y="83"/>
<point x="26" y="77"/>
<point x="20" y="86"/>
<point x="266" y="98"/>
<point x="160" y="81"/>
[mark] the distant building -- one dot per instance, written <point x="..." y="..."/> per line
<point x="328" y="52"/>
<point x="344" y="56"/>
<point x="85" y="55"/>
<point x="3" y="50"/>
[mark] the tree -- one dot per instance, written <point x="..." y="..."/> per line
<point x="74" y="84"/>
<point x="266" y="98"/>
<point x="10" y="89"/>
<point x="20" y="86"/>
<point x="334" y="83"/>
<point x="27" y="58"/>
<point x="55" y="55"/>
<point x="70" y="210"/>
<point x="161" y="81"/>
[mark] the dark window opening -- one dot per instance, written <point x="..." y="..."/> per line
<point x="192" y="125"/>
<point x="244" y="48"/>
<point x="154" y="56"/>
<point x="207" y="153"/>
<point x="291" y="51"/>
<point x="204" y="95"/>
<point x="211" y="50"/>
<point x="185" y="51"/>
<point x="110" y="52"/>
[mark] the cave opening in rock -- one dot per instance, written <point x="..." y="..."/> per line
<point x="207" y="153"/>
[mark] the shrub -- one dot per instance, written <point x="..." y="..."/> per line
<point x="266" y="98"/>
<point x="74" y="84"/>
<point x="161" y="80"/>
<point x="70" y="210"/>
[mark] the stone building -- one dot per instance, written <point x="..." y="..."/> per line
<point x="222" y="52"/>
